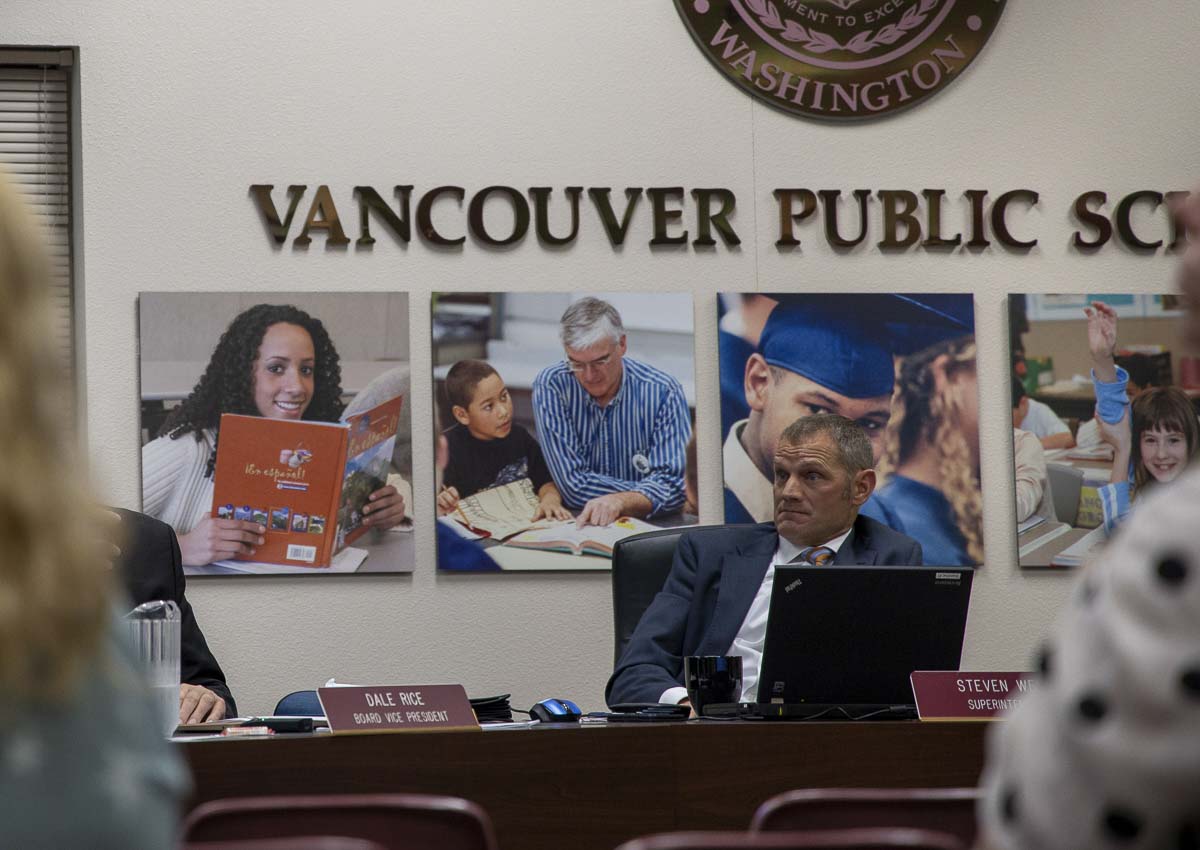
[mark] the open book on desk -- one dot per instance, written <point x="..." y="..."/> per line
<point x="1081" y="550"/>
<point x="501" y="512"/>
<point x="589" y="540"/>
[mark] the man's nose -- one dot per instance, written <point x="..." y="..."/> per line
<point x="792" y="489"/>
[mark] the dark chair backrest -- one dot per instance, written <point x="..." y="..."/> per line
<point x="393" y="821"/>
<point x="842" y="839"/>
<point x="640" y="564"/>
<point x="295" y="842"/>
<point x="300" y="704"/>
<point x="1066" y="487"/>
<point x="945" y="810"/>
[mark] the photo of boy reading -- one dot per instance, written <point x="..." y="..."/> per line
<point x="487" y="449"/>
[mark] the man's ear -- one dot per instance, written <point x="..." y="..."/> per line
<point x="862" y="487"/>
<point x="460" y="414"/>
<point x="758" y="382"/>
<point x="621" y="346"/>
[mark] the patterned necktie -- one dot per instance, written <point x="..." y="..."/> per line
<point x="818" y="556"/>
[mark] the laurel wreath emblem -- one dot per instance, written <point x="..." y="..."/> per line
<point x="816" y="41"/>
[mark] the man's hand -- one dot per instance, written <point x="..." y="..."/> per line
<point x="1102" y="339"/>
<point x="447" y="501"/>
<point x="384" y="508"/>
<point x="606" y="509"/>
<point x="550" y="506"/>
<point x="217" y="539"/>
<point x="602" y="510"/>
<point x="199" y="705"/>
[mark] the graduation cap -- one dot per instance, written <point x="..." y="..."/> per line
<point x="846" y="342"/>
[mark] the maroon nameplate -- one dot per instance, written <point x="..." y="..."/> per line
<point x="967" y="695"/>
<point x="397" y="708"/>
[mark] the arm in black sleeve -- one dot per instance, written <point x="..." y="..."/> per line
<point x="197" y="665"/>
<point x="151" y="567"/>
<point x="539" y="472"/>
<point x="653" y="660"/>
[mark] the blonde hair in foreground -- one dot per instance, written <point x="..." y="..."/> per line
<point x="54" y="586"/>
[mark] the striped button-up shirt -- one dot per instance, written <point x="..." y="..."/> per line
<point x="635" y="443"/>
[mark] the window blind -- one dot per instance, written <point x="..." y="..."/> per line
<point x="35" y="155"/>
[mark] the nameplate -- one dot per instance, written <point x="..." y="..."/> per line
<point x="967" y="695"/>
<point x="397" y="708"/>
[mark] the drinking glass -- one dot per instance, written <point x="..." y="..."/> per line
<point x="154" y="632"/>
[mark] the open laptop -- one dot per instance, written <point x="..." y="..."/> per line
<point x="842" y="640"/>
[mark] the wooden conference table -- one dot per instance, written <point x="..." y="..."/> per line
<point x="592" y="788"/>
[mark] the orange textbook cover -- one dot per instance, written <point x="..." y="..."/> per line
<point x="368" y="459"/>
<point x="286" y="476"/>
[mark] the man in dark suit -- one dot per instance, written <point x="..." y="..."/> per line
<point x="716" y="597"/>
<point x="151" y="568"/>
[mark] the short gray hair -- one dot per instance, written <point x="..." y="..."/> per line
<point x="589" y="321"/>
<point x="854" y="449"/>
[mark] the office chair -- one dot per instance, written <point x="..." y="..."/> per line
<point x="945" y="810"/>
<point x="393" y="821"/>
<point x="308" y="842"/>
<point x="1065" y="482"/>
<point x="299" y="704"/>
<point x="640" y="564"/>
<point x="845" y="839"/>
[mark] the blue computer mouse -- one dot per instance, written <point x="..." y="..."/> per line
<point x="555" y="711"/>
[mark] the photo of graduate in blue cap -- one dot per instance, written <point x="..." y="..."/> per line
<point x="903" y="368"/>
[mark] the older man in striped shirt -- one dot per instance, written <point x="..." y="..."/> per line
<point x="613" y="429"/>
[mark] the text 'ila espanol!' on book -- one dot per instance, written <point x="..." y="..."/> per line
<point x="306" y="482"/>
<point x="506" y="513"/>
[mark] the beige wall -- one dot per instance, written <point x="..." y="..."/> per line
<point x="185" y="106"/>
<point x="1066" y="342"/>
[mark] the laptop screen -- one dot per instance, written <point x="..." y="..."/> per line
<point x="853" y="634"/>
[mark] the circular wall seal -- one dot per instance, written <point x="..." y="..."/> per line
<point x="841" y="59"/>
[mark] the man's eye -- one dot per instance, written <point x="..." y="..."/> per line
<point x="817" y="410"/>
<point x="813" y="476"/>
<point x="870" y="425"/>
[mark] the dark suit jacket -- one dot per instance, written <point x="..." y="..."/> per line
<point x="708" y="593"/>
<point x="152" y="568"/>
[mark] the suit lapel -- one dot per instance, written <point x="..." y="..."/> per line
<point x="741" y="576"/>
<point x="857" y="548"/>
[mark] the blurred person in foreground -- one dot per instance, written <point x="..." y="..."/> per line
<point x="1105" y="752"/>
<point x="82" y="760"/>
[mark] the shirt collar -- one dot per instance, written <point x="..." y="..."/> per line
<point x="787" y="550"/>
<point x="745" y="480"/>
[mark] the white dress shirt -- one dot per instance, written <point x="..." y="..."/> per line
<point x="1041" y="421"/>
<point x="748" y="642"/>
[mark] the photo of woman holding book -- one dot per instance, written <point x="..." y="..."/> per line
<point x="272" y="361"/>
<point x="566" y="422"/>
